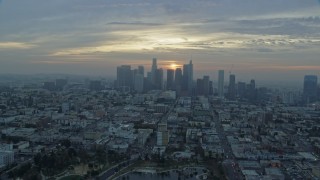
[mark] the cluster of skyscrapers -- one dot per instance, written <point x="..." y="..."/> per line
<point x="178" y="79"/>
<point x="181" y="80"/>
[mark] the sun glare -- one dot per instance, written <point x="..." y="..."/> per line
<point x="174" y="66"/>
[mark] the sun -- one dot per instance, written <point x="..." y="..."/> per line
<point x="174" y="66"/>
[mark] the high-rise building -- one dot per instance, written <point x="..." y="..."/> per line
<point x="242" y="89"/>
<point x="210" y="88"/>
<point x="200" y="88"/>
<point x="252" y="84"/>
<point x="190" y="78"/>
<point x="170" y="79"/>
<point x="178" y="80"/>
<point x="232" y="87"/>
<point x="184" y="84"/>
<point x="139" y="83"/>
<point x="159" y="79"/>
<point x="187" y="80"/>
<point x="125" y="77"/>
<point x="154" y="69"/>
<point x="310" y="87"/>
<point x="203" y="86"/>
<point x="252" y="91"/>
<point x="221" y="83"/>
<point x="206" y="85"/>
<point x="141" y="70"/>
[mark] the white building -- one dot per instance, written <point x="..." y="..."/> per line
<point x="162" y="138"/>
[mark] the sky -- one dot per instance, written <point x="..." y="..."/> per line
<point x="273" y="40"/>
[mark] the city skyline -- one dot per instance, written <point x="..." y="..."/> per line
<point x="267" y="41"/>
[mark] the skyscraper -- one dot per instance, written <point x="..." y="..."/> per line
<point x="170" y="79"/>
<point x="252" y="84"/>
<point x="124" y="77"/>
<point x="203" y="86"/>
<point x="184" y="84"/>
<point x="206" y="84"/>
<point x="141" y="70"/>
<point x="310" y="87"/>
<point x="187" y="80"/>
<point x="178" y="80"/>
<point x="221" y="83"/>
<point x="252" y="92"/>
<point x="242" y="89"/>
<point x="138" y="83"/>
<point x="210" y="88"/>
<point x="199" y="89"/>
<point x="190" y="79"/>
<point x="232" y="87"/>
<point x="159" y="79"/>
<point x="154" y="69"/>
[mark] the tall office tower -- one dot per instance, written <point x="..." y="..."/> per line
<point x="190" y="79"/>
<point x="154" y="65"/>
<point x="210" y="88"/>
<point x="178" y="80"/>
<point x="154" y="69"/>
<point x="149" y="76"/>
<point x="134" y="73"/>
<point x="221" y="83"/>
<point x="139" y="83"/>
<point x="170" y="79"/>
<point x="200" y="87"/>
<point x="206" y="85"/>
<point x="310" y="87"/>
<point x="232" y="87"/>
<point x="159" y="79"/>
<point x="141" y="70"/>
<point x="242" y="89"/>
<point x="252" y="92"/>
<point x="184" y="83"/>
<point x="203" y="86"/>
<point x="124" y="77"/>
<point x="252" y="84"/>
<point x="187" y="80"/>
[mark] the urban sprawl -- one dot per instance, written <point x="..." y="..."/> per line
<point x="93" y="128"/>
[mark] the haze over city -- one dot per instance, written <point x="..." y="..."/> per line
<point x="159" y="90"/>
<point x="266" y="40"/>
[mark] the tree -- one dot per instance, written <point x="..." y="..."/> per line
<point x="66" y="143"/>
<point x="101" y="156"/>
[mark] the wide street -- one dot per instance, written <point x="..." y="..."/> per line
<point x="230" y="163"/>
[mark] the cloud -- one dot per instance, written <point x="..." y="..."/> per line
<point x="175" y="40"/>
<point x="15" y="45"/>
<point x="136" y="23"/>
<point x="277" y="26"/>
